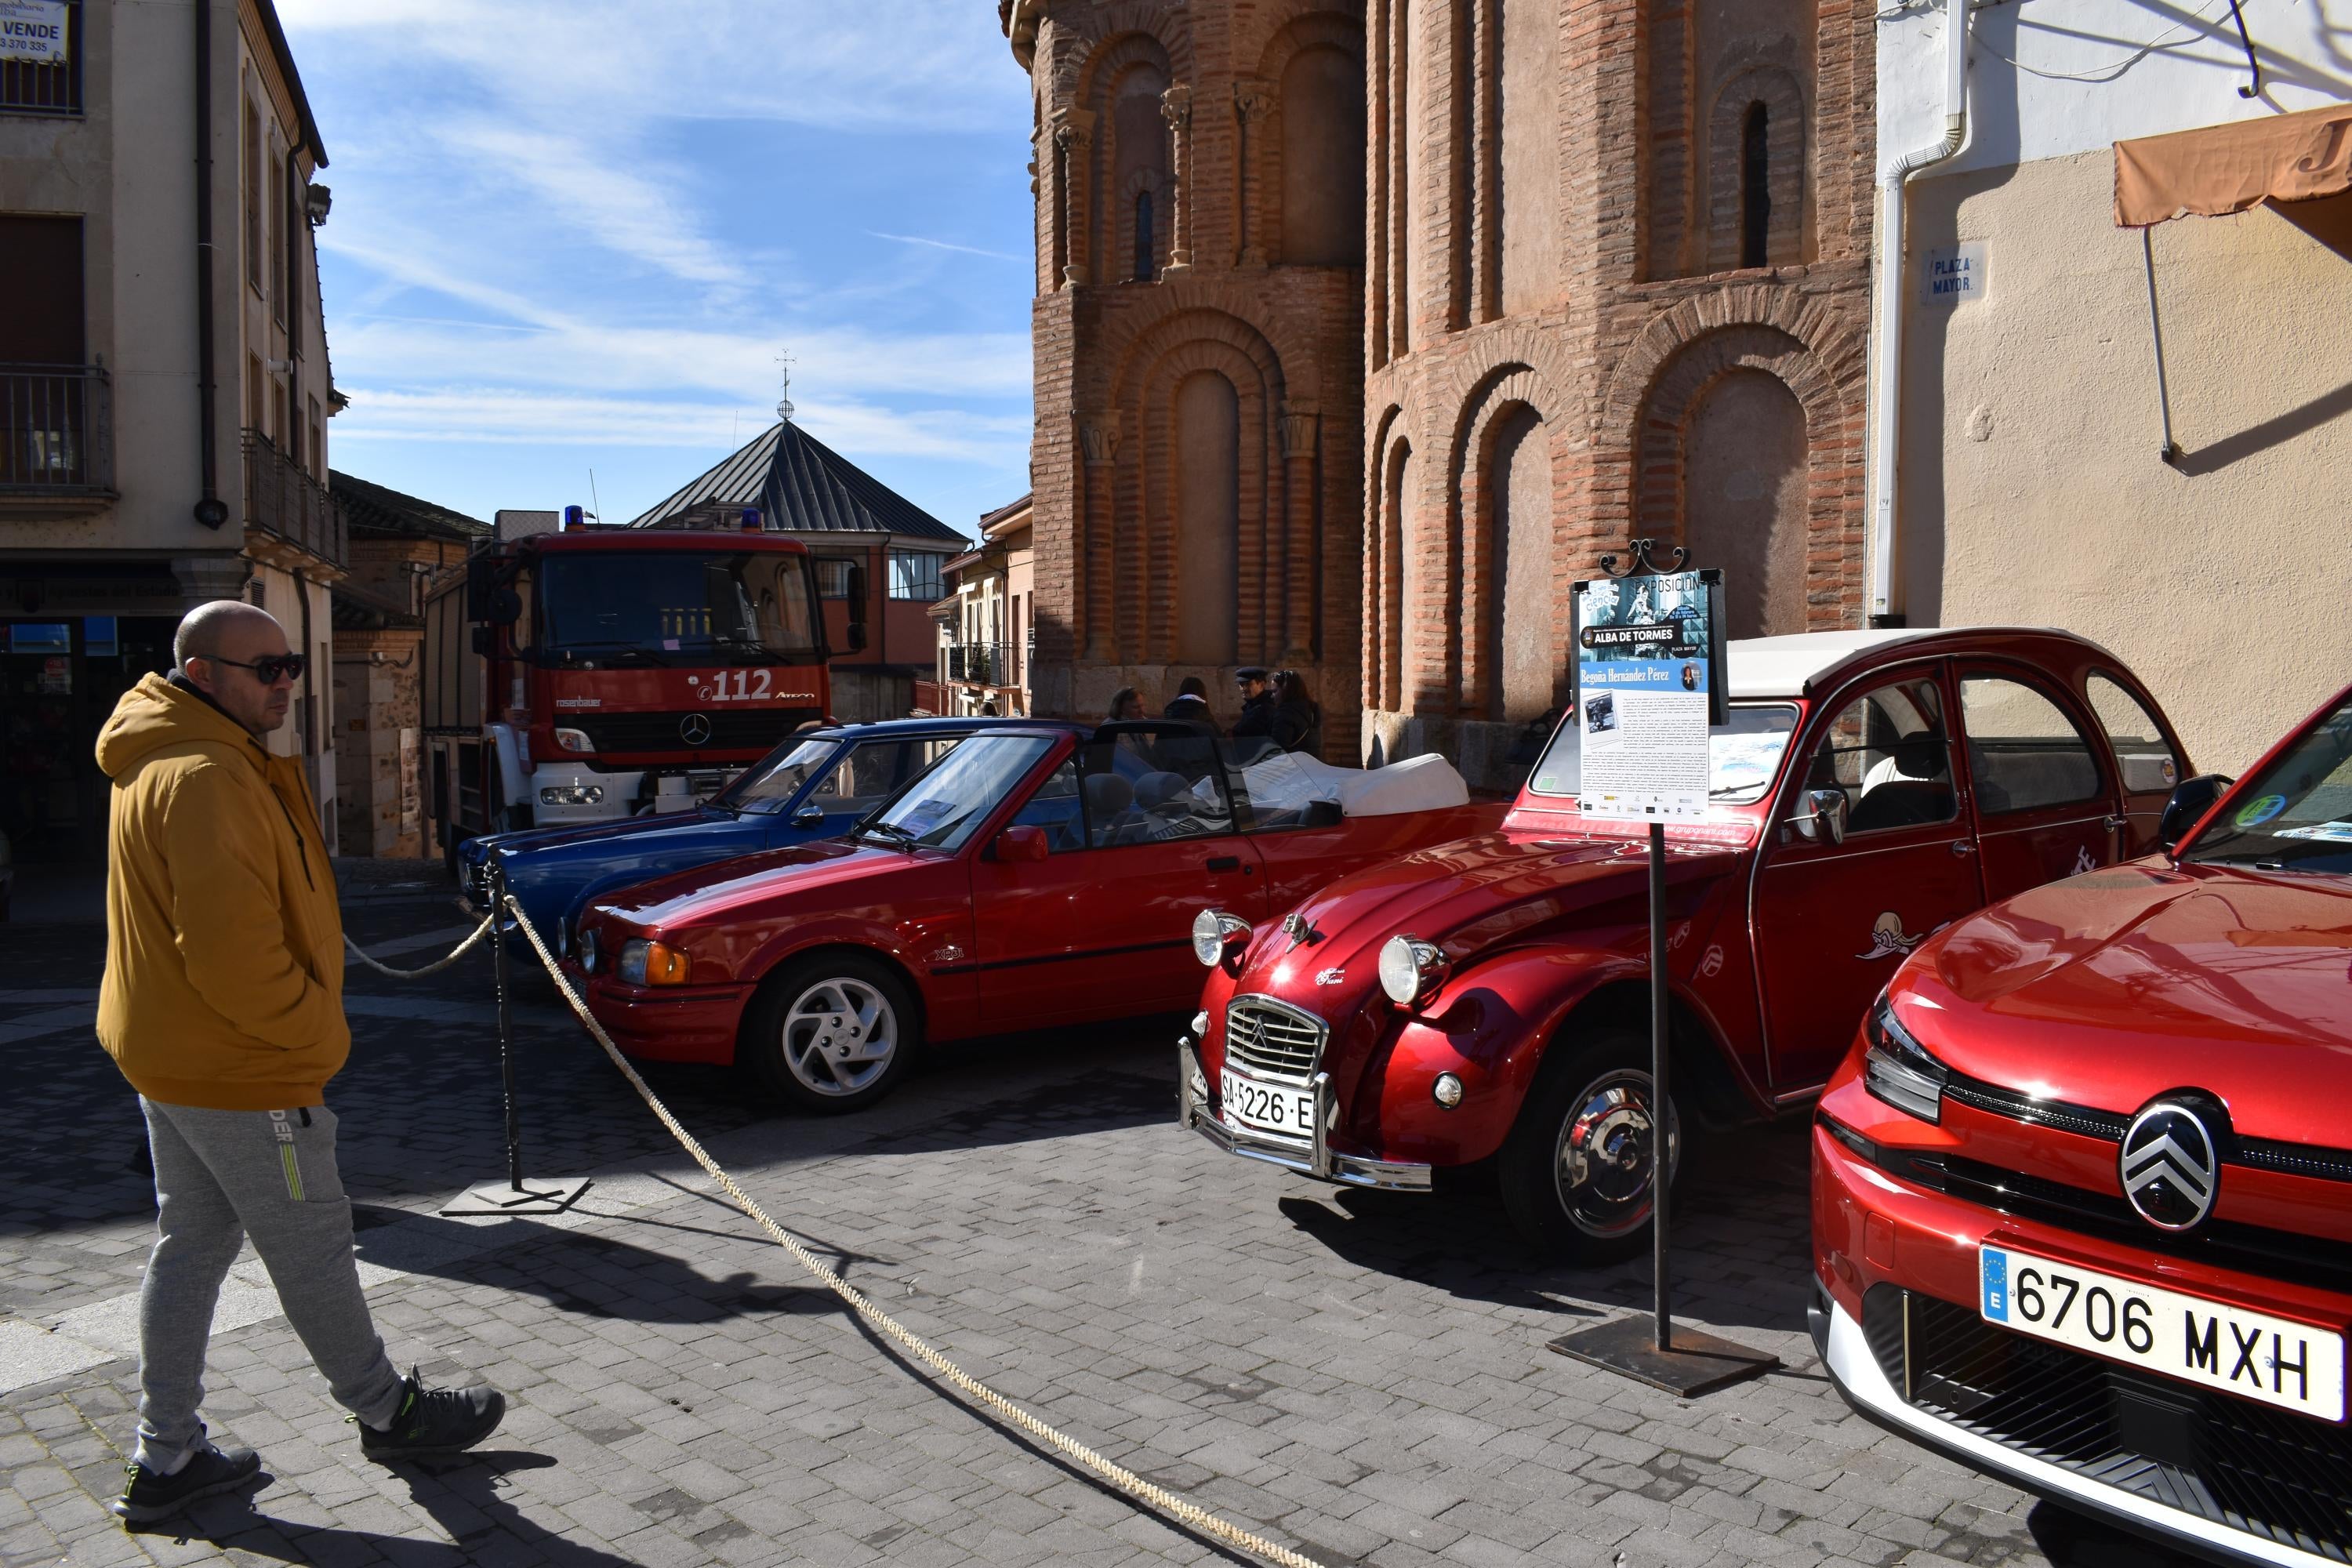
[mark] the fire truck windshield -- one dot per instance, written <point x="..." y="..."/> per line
<point x="751" y="607"/>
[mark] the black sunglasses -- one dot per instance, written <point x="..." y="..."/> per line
<point x="268" y="670"/>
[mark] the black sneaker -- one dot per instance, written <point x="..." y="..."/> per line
<point x="435" y="1421"/>
<point x="147" y="1497"/>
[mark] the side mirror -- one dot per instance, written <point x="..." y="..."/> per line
<point x="2191" y="798"/>
<point x="1823" y="820"/>
<point x="808" y="816"/>
<point x="481" y="581"/>
<point x="856" y="595"/>
<point x="505" y="607"/>
<point x="1024" y="844"/>
<point x="482" y="641"/>
<point x="853" y="638"/>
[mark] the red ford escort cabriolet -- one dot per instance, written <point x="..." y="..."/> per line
<point x="1491" y="998"/>
<point x="1039" y="874"/>
<point x="2083" y="1192"/>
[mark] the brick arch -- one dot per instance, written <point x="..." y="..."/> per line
<point x="1103" y="240"/>
<point x="1639" y="448"/>
<point x="1385" y="613"/>
<point x="1786" y="143"/>
<point x="1492" y="399"/>
<point x="1271" y="38"/>
<point x="1179" y="308"/>
<point x="1081" y="40"/>
<point x="1296" y="32"/>
<point x="1130" y="532"/>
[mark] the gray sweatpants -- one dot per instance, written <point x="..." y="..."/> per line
<point x="221" y="1175"/>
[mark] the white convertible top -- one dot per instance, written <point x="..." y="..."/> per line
<point x="1788" y="666"/>
<point x="1287" y="780"/>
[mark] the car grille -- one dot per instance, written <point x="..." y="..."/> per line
<point x="2276" y="1475"/>
<point x="1273" y="1040"/>
<point x="755" y="730"/>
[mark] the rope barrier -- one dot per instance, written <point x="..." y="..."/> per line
<point x="433" y="968"/>
<point x="1117" y="1476"/>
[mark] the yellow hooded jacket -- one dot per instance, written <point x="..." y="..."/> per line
<point x="223" y="943"/>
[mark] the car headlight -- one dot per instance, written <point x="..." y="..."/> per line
<point x="1213" y="931"/>
<point x="645" y="962"/>
<point x="1898" y="1069"/>
<point x="572" y="795"/>
<point x="1411" y="969"/>
<point x="587" y="945"/>
<point x="572" y="740"/>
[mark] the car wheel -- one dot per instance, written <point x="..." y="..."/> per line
<point x="833" y="1032"/>
<point x="1578" y="1170"/>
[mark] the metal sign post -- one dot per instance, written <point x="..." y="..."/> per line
<point x="514" y="1198"/>
<point x="1655" y="655"/>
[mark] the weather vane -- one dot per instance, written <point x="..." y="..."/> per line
<point x="784" y="366"/>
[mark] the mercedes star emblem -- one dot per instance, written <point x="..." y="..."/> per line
<point x="695" y="729"/>
<point x="2172" y="1172"/>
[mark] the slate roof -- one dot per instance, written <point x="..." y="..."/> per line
<point x="374" y="510"/>
<point x="803" y="486"/>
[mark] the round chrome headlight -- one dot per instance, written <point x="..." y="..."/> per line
<point x="1213" y="932"/>
<point x="1409" y="969"/>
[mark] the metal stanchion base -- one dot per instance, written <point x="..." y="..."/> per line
<point x="1697" y="1363"/>
<point x="495" y="1199"/>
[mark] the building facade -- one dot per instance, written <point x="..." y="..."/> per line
<point x="878" y="555"/>
<point x="398" y="545"/>
<point x="2133" y="419"/>
<point x="987" y="621"/>
<point x="1610" y="280"/>
<point x="1198" y="329"/>
<point x="165" y="382"/>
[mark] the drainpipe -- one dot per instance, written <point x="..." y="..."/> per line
<point x="1888" y="371"/>
<point x="210" y="511"/>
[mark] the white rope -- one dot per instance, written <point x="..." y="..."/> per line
<point x="1118" y="1476"/>
<point x="433" y="968"/>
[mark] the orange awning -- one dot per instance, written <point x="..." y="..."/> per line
<point x="2227" y="168"/>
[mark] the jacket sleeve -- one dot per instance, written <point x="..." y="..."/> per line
<point x="226" y="913"/>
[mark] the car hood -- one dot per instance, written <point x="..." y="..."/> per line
<point x="749" y="887"/>
<point x="589" y="838"/>
<point x="2110" y="988"/>
<point x="1502" y="888"/>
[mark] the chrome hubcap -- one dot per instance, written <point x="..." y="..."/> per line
<point x="839" y="1036"/>
<point x="1606" y="1161"/>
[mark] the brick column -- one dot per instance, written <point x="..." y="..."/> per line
<point x="1073" y="140"/>
<point x="1176" y="108"/>
<point x="1252" y="101"/>
<point x="1300" y="425"/>
<point x="1098" y="444"/>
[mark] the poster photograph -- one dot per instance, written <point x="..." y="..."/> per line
<point x="1648" y="664"/>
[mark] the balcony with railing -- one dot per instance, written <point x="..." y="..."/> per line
<point x="289" y="506"/>
<point x="980" y="664"/>
<point x="57" y="440"/>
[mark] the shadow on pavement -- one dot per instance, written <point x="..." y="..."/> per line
<point x="2072" y="1540"/>
<point x="461" y="1494"/>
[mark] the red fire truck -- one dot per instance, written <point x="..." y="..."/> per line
<point x="587" y="673"/>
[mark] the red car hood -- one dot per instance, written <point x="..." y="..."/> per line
<point x="2108" y="989"/>
<point x="730" y="890"/>
<point x="1467" y="897"/>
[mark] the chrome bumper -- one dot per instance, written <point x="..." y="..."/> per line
<point x="1313" y="1157"/>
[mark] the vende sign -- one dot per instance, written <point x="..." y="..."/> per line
<point x="33" y="30"/>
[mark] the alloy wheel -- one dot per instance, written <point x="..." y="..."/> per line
<point x="839" y="1036"/>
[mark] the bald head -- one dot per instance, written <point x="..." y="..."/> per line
<point x="207" y="630"/>
<point x="217" y="647"/>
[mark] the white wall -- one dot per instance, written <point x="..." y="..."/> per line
<point x="2017" y="116"/>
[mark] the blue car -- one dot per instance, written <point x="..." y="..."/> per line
<point x="815" y="786"/>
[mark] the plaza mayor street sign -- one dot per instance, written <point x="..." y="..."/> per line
<point x="1649" y="679"/>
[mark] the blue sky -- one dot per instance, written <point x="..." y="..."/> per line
<point x="571" y="234"/>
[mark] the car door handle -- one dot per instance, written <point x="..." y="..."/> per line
<point x="1224" y="862"/>
<point x="1963" y="847"/>
<point x="2112" y="824"/>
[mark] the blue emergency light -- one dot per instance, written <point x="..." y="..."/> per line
<point x="574" y="517"/>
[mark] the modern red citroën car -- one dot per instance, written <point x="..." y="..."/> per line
<point x="2083" y="1192"/>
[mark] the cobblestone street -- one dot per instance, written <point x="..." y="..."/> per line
<point x="1361" y="1374"/>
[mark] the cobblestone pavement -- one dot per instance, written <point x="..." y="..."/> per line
<point x="1361" y="1373"/>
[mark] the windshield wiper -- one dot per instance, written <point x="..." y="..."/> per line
<point x="888" y="832"/>
<point x="608" y="651"/>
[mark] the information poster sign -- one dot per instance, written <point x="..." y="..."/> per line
<point x="1648" y="678"/>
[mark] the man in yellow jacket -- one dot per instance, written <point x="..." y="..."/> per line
<point x="223" y="1005"/>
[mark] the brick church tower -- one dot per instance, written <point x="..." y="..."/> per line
<point x="1618" y="287"/>
<point x="1199" y="339"/>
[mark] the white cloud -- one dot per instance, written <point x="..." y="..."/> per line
<point x="944" y="245"/>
